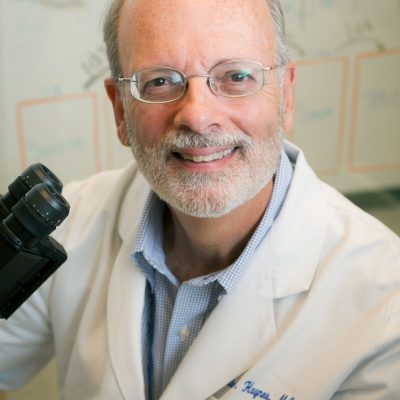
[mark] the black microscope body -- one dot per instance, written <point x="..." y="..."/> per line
<point x="31" y="209"/>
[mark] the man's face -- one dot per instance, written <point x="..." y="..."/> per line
<point x="203" y="154"/>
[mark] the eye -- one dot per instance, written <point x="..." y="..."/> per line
<point x="157" y="82"/>
<point x="160" y="80"/>
<point x="160" y="84"/>
<point x="239" y="76"/>
<point x="235" y="77"/>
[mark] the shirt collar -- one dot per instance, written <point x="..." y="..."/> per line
<point x="147" y="250"/>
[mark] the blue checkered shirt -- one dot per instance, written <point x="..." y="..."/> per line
<point x="174" y="312"/>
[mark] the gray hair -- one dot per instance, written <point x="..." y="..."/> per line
<point x="278" y="19"/>
<point x="111" y="23"/>
<point x="110" y="35"/>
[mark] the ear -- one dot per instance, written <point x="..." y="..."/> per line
<point x="289" y="91"/>
<point x="114" y="95"/>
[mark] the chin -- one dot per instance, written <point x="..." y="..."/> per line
<point x="203" y="203"/>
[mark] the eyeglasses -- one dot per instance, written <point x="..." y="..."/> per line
<point x="235" y="78"/>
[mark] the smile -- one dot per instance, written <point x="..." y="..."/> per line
<point x="208" y="157"/>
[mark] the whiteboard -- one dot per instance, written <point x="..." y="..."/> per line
<point x="348" y="91"/>
<point x="54" y="110"/>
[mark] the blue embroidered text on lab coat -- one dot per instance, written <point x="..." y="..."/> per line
<point x="249" y="388"/>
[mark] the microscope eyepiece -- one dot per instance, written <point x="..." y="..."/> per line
<point x="41" y="210"/>
<point x="32" y="176"/>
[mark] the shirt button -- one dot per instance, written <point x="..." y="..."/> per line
<point x="184" y="332"/>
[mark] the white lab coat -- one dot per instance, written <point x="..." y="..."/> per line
<point x="316" y="314"/>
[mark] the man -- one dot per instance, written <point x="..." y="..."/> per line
<point x="217" y="266"/>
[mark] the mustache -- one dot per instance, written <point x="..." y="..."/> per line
<point x="181" y="139"/>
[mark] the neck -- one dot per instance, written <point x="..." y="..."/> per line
<point x="199" y="246"/>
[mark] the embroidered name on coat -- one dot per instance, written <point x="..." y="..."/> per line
<point x="255" y="392"/>
<point x="249" y="387"/>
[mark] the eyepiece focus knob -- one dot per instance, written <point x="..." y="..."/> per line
<point x="41" y="210"/>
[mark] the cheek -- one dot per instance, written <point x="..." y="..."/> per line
<point x="259" y="120"/>
<point x="149" y="124"/>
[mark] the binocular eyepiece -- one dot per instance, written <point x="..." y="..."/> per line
<point x="33" y="206"/>
<point x="29" y="212"/>
<point x="32" y="176"/>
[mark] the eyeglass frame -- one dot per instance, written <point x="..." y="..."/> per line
<point x="186" y="80"/>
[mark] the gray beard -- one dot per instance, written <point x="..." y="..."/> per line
<point x="214" y="194"/>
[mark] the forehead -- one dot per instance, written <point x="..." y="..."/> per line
<point x="171" y="31"/>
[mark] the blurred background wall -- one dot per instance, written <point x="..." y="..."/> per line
<point x="54" y="110"/>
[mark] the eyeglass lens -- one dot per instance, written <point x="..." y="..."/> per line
<point x="236" y="78"/>
<point x="158" y="84"/>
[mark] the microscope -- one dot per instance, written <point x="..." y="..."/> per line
<point x="29" y="212"/>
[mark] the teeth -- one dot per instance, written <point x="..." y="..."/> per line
<point x="207" y="158"/>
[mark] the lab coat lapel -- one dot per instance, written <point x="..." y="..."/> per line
<point x="124" y="316"/>
<point x="126" y="300"/>
<point x="299" y="231"/>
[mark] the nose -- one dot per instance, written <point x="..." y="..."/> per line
<point x="198" y="110"/>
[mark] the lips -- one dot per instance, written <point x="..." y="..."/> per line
<point x="200" y="158"/>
